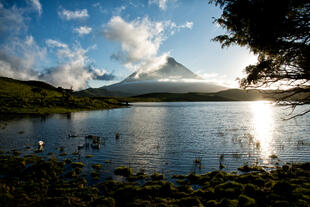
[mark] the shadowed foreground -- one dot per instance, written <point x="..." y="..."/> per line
<point x="32" y="180"/>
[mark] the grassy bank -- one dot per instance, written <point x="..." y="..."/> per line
<point x="35" y="97"/>
<point x="36" y="181"/>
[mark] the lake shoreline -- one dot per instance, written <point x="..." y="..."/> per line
<point x="33" y="180"/>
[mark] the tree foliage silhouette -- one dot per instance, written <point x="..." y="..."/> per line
<point x="278" y="31"/>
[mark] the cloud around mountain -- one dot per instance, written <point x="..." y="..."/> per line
<point x="170" y="77"/>
<point x="140" y="41"/>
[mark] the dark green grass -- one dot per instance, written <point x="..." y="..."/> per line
<point x="36" y="97"/>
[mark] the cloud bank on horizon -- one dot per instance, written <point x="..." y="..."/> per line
<point x="18" y="56"/>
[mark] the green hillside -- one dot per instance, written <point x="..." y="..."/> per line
<point x="227" y="95"/>
<point x="36" y="97"/>
<point x="182" y="97"/>
<point x="99" y="92"/>
<point x="243" y="95"/>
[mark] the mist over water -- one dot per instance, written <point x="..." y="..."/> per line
<point x="168" y="137"/>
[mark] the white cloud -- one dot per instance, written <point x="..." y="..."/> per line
<point x="83" y="30"/>
<point x="162" y="4"/>
<point x="19" y="57"/>
<point x="55" y="43"/>
<point x="118" y="10"/>
<point x="140" y="40"/>
<point x="14" y="67"/>
<point x="174" y="27"/>
<point x="11" y="21"/>
<point x="36" y="5"/>
<point x="218" y="79"/>
<point x="74" y="70"/>
<point x="207" y="76"/>
<point x="101" y="9"/>
<point x="72" y="15"/>
<point x="188" y="25"/>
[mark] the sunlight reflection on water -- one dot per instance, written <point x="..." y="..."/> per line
<point x="263" y="126"/>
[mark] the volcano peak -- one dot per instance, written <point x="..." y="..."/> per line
<point x="170" y="70"/>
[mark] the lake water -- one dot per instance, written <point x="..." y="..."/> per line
<point x="168" y="137"/>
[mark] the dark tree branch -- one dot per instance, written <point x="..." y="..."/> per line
<point x="279" y="32"/>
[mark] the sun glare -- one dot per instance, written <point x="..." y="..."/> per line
<point x="263" y="124"/>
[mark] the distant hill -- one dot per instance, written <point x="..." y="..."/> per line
<point x="100" y="92"/>
<point x="243" y="95"/>
<point x="37" y="97"/>
<point x="227" y="95"/>
<point x="31" y="83"/>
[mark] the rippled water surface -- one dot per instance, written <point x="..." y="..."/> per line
<point x="168" y="137"/>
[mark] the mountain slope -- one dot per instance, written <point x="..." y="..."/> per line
<point x="172" y="77"/>
<point x="153" y="86"/>
<point x="171" y="70"/>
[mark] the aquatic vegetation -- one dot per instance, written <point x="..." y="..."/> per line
<point x="72" y="135"/>
<point x="81" y="146"/>
<point x="273" y="156"/>
<point x="189" y="201"/>
<point x="221" y="159"/>
<point x="247" y="168"/>
<point x="77" y="164"/>
<point x="32" y="180"/>
<point x="97" y="166"/>
<point x="15" y="152"/>
<point x="156" y="176"/>
<point x="117" y="135"/>
<point x="123" y="171"/>
<point x="78" y="170"/>
<point x="63" y="154"/>
<point x="236" y="155"/>
<point x="75" y="153"/>
<point x="197" y="161"/>
<point x="61" y="149"/>
<point x="89" y="156"/>
<point x="136" y="177"/>
<point x="95" y="146"/>
<point x="95" y="174"/>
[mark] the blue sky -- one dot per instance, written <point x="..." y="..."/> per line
<point x="94" y="43"/>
